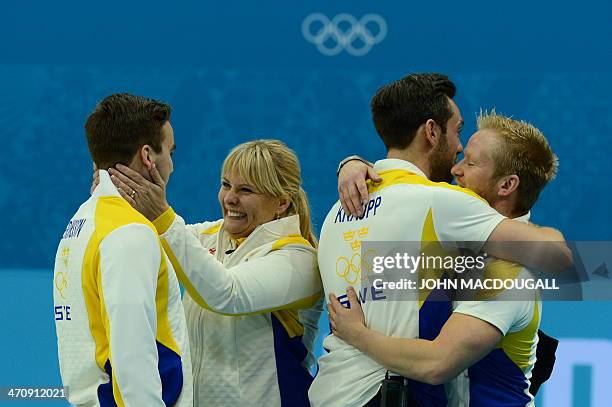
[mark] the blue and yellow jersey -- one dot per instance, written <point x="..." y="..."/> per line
<point x="405" y="207"/>
<point x="502" y="376"/>
<point x="252" y="309"/>
<point x="121" y="329"/>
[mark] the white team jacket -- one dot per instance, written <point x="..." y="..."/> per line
<point x="121" y="332"/>
<point x="405" y="207"/>
<point x="501" y="377"/>
<point x="252" y="310"/>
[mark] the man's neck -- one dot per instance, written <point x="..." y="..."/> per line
<point x="508" y="209"/>
<point x="416" y="158"/>
<point x="137" y="165"/>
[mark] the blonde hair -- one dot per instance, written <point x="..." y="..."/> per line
<point x="523" y="150"/>
<point x="274" y="170"/>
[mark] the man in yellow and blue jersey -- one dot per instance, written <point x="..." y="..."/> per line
<point x="120" y="324"/>
<point x="486" y="350"/>
<point x="419" y="123"/>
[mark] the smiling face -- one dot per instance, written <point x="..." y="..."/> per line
<point x="477" y="168"/>
<point x="244" y="208"/>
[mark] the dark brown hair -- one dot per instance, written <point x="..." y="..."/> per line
<point x="122" y="123"/>
<point x="401" y="107"/>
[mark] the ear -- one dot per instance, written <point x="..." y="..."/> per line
<point x="146" y="156"/>
<point x="283" y="204"/>
<point x="431" y="132"/>
<point x="508" y="185"/>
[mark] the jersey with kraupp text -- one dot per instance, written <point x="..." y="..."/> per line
<point x="404" y="207"/>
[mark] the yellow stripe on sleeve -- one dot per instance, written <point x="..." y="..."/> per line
<point x="163" y="222"/>
<point x="517" y="345"/>
<point x="164" y="330"/>
<point x="212" y="230"/>
<point x="290" y="239"/>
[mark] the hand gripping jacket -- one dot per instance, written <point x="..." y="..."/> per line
<point x="252" y="309"/>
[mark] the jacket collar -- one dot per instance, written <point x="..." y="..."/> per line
<point x="397" y="164"/>
<point x="263" y="234"/>
<point x="106" y="186"/>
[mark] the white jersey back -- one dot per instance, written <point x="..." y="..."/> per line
<point x="121" y="329"/>
<point x="404" y="207"/>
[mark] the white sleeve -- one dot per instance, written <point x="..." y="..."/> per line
<point x="129" y="266"/>
<point x="167" y="219"/>
<point x="507" y="316"/>
<point x="284" y="278"/>
<point x="463" y="218"/>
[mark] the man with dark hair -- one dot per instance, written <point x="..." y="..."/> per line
<point x="123" y="125"/>
<point x="419" y="123"/>
<point x="120" y="323"/>
<point x="399" y="109"/>
<point x="507" y="162"/>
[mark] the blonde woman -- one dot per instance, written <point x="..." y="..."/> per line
<point x="253" y="291"/>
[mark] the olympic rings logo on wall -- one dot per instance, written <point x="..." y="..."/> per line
<point x="344" y="32"/>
